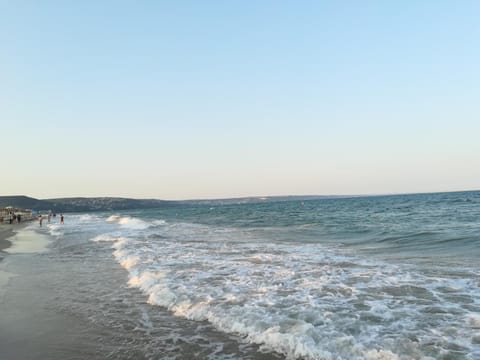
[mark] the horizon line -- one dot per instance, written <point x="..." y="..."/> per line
<point x="257" y="196"/>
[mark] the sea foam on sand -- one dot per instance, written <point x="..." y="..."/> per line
<point x="28" y="241"/>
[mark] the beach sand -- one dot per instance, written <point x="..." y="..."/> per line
<point x="6" y="231"/>
<point x="31" y="327"/>
<point x="27" y="241"/>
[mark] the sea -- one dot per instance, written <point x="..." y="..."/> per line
<point x="378" y="277"/>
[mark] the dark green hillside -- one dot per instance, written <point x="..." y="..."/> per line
<point x="24" y="202"/>
<point x="106" y="203"/>
<point x="81" y="204"/>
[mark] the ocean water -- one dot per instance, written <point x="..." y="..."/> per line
<point x="387" y="277"/>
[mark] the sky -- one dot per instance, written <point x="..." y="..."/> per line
<point x="215" y="99"/>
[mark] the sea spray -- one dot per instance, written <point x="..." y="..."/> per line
<point x="314" y="286"/>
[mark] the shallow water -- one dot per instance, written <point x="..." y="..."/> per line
<point x="28" y="241"/>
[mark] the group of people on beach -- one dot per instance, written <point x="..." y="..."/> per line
<point x="12" y="218"/>
<point x="49" y="217"/>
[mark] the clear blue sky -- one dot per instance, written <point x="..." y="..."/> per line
<point x="207" y="99"/>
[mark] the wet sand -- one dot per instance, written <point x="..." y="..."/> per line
<point x="28" y="241"/>
<point x="32" y="328"/>
<point x="6" y="231"/>
<point x="31" y="325"/>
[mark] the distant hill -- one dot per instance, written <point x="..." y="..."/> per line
<point x="24" y="202"/>
<point x="262" y="199"/>
<point x="85" y="204"/>
<point x="81" y="204"/>
<point x="106" y="203"/>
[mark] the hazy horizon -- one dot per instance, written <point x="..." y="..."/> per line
<point x="246" y="197"/>
<point x="223" y="100"/>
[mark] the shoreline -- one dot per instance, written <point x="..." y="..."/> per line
<point x="38" y="327"/>
<point x="6" y="231"/>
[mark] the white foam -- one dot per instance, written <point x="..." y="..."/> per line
<point x="129" y="222"/>
<point x="113" y="218"/>
<point x="87" y="218"/>
<point x="298" y="300"/>
<point x="105" y="238"/>
<point x="133" y="223"/>
<point x="55" y="229"/>
<point x="146" y="280"/>
<point x="28" y="241"/>
<point x="129" y="262"/>
<point x="380" y="355"/>
<point x="119" y="242"/>
<point x="473" y="320"/>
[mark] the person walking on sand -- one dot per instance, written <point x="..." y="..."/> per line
<point x="61" y="218"/>
<point x="40" y="219"/>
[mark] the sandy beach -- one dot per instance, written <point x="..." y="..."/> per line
<point x="7" y="234"/>
<point x="6" y="231"/>
<point x="30" y="326"/>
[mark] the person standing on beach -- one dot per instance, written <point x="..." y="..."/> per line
<point x="61" y="218"/>
<point x="49" y="216"/>
<point x="40" y="219"/>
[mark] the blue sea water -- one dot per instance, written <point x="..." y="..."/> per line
<point x="381" y="277"/>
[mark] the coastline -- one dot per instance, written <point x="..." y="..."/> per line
<point x="34" y="327"/>
<point x="6" y="231"/>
